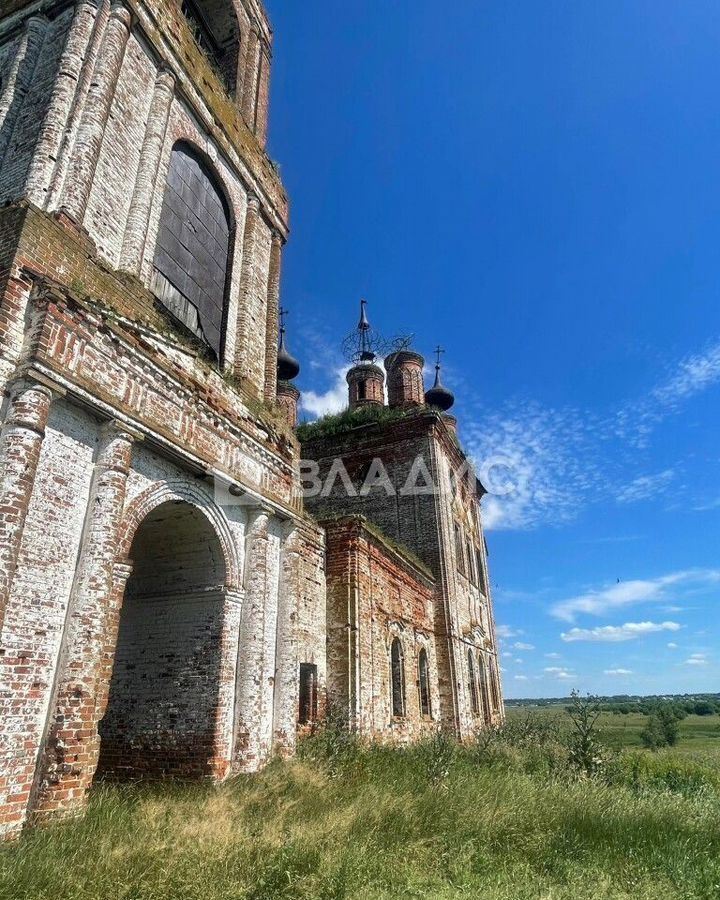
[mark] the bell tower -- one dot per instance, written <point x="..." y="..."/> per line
<point x="140" y="126"/>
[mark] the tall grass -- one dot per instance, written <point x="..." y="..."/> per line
<point x="502" y="819"/>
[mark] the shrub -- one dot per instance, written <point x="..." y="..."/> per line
<point x="586" y="751"/>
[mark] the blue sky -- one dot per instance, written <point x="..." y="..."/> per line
<point x="535" y="185"/>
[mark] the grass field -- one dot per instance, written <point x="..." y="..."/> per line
<point x="507" y="821"/>
<point x="698" y="734"/>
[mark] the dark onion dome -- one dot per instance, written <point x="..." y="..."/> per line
<point x="438" y="395"/>
<point x="287" y="366"/>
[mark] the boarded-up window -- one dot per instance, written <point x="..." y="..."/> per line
<point x="397" y="673"/>
<point x="308" y="711"/>
<point x="193" y="249"/>
<point x="424" y="684"/>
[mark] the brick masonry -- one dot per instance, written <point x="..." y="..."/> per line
<point x="418" y="450"/>
<point x="161" y="582"/>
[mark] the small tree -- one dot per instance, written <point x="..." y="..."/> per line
<point x="586" y="751"/>
<point x="652" y="734"/>
<point x="669" y="724"/>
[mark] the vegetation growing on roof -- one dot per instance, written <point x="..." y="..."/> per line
<point x="340" y="423"/>
<point x="398" y="548"/>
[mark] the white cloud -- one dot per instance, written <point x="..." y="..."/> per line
<point x="559" y="672"/>
<point x="504" y="632"/>
<point x="519" y="645"/>
<point x="334" y="400"/>
<point x="697" y="659"/>
<point x="645" y="487"/>
<point x="521" y="678"/>
<point x="552" y="656"/>
<point x="618" y="672"/>
<point x="672" y="646"/>
<point x="628" y="593"/>
<point x="617" y="633"/>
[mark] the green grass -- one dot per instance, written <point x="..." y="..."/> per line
<point x="503" y="821"/>
<point x="698" y="734"/>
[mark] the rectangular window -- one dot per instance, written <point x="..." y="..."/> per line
<point x="308" y="711"/>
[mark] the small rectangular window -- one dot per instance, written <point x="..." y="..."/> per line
<point x="308" y="711"/>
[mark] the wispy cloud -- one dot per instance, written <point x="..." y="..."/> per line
<point x="697" y="659"/>
<point x="630" y="631"/>
<point x="695" y="373"/>
<point x="628" y="593"/>
<point x="644" y="487"/>
<point x="541" y="466"/>
<point x="522" y="646"/>
<point x="618" y="672"/>
<point x="535" y="463"/>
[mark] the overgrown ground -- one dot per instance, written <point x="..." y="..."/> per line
<point x="509" y="819"/>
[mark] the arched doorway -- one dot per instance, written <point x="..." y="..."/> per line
<point x="163" y="694"/>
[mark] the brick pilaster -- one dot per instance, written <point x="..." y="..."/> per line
<point x="273" y="313"/>
<point x="256" y="656"/>
<point x="86" y="151"/>
<point x="221" y="762"/>
<point x="139" y="215"/>
<point x="53" y="129"/>
<point x="21" y="441"/>
<point x="19" y="79"/>
<point x="249" y="86"/>
<point x="262" y="94"/>
<point x="69" y="757"/>
<point x="250" y="235"/>
<point x="287" y="665"/>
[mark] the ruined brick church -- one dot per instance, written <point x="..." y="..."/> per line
<point x="174" y="599"/>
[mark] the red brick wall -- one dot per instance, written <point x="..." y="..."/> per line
<point x="374" y="595"/>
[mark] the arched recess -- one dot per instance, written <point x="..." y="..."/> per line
<point x="214" y="25"/>
<point x="161" y="717"/>
<point x="193" y="254"/>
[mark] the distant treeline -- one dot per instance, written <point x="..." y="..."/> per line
<point x="681" y="704"/>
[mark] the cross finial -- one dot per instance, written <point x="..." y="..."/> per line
<point x="439" y="351"/>
<point x="284" y="313"/>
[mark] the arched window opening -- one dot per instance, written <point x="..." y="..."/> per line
<point x="485" y="688"/>
<point x="495" y="689"/>
<point x="397" y="678"/>
<point x="214" y="26"/>
<point x="424" y="684"/>
<point x="472" y="678"/>
<point x="459" y="549"/>
<point x="482" y="580"/>
<point x="192" y="257"/>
